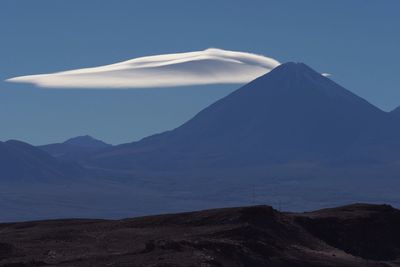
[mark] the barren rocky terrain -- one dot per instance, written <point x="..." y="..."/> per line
<point x="355" y="235"/>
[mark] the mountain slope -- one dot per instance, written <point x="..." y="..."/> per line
<point x="20" y="161"/>
<point x="292" y="114"/>
<point x="359" y="235"/>
<point x="75" y="149"/>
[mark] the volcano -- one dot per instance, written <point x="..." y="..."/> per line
<point x="292" y="114"/>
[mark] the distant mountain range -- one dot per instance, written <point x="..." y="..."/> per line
<point x="20" y="161"/>
<point x="292" y="137"/>
<point x="292" y="115"/>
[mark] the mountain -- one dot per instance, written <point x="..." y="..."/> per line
<point x="86" y="141"/>
<point x="20" y="161"/>
<point x="292" y="137"/>
<point x="75" y="149"/>
<point x="293" y="114"/>
<point x="358" y="235"/>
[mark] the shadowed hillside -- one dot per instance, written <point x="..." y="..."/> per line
<point x="20" y="161"/>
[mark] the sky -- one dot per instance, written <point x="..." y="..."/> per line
<point x="356" y="41"/>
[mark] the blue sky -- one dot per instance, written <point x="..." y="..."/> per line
<point x="356" y="41"/>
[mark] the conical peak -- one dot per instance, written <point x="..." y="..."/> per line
<point x="298" y="80"/>
<point x="290" y="74"/>
<point x="292" y="64"/>
<point x="294" y="67"/>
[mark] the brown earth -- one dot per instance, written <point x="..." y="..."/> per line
<point x="355" y="235"/>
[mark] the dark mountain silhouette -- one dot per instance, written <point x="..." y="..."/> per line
<point x="20" y="161"/>
<point x="75" y="149"/>
<point x="292" y="114"/>
<point x="87" y="141"/>
<point x="358" y="235"/>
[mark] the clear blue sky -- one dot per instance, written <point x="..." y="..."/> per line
<point x="357" y="41"/>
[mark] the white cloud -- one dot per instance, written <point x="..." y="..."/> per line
<point x="211" y="66"/>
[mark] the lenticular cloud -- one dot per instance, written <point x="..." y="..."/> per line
<point x="210" y="66"/>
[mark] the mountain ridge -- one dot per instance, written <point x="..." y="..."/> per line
<point x="21" y="161"/>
